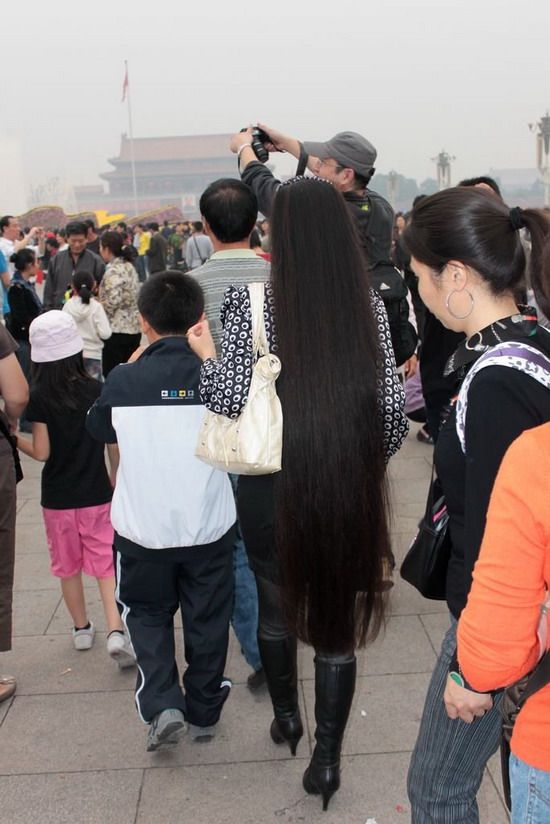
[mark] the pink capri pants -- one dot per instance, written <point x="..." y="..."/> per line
<point x="80" y="540"/>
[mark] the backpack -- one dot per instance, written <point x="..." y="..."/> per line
<point x="389" y="283"/>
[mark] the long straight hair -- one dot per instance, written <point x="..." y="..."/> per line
<point x="331" y="502"/>
<point x="60" y="383"/>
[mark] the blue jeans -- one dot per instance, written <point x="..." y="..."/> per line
<point x="244" y="619"/>
<point x="530" y="793"/>
<point x="141" y="268"/>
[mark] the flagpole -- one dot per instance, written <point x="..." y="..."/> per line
<point x="131" y="131"/>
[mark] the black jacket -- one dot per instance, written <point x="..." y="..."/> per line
<point x="373" y="214"/>
<point x="60" y="275"/>
<point x="156" y="253"/>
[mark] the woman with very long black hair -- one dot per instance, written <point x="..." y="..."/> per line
<point x="317" y="532"/>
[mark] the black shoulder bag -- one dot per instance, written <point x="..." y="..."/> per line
<point x="425" y="564"/>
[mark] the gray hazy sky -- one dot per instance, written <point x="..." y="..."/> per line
<point x="413" y="77"/>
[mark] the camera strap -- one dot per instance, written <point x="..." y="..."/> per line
<point x="302" y="161"/>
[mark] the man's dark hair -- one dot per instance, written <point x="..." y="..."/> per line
<point x="5" y="222"/>
<point x="198" y="226"/>
<point x="122" y="225"/>
<point x="89" y="224"/>
<point x="231" y="209"/>
<point x="255" y="239"/>
<point x="171" y="302"/>
<point x="154" y="226"/>
<point x="51" y="241"/>
<point x="76" y="227"/>
<point x="475" y="181"/>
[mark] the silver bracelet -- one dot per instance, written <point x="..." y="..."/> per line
<point x="241" y="148"/>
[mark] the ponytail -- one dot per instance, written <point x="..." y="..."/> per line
<point x="127" y="254"/>
<point x="84" y="294"/>
<point x="540" y="279"/>
<point x="84" y="285"/>
<point x="537" y="224"/>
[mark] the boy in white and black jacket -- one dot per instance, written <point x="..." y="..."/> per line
<point x="173" y="517"/>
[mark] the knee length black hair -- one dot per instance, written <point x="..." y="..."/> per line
<point x="331" y="521"/>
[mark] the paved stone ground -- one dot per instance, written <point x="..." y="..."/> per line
<point x="72" y="749"/>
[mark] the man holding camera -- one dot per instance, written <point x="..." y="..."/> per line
<point x="347" y="161"/>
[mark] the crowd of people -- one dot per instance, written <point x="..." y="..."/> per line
<point x="139" y="331"/>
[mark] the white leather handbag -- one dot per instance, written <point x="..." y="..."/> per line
<point x="252" y="443"/>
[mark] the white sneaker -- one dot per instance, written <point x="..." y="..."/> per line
<point x="121" y="650"/>
<point x="84" y="638"/>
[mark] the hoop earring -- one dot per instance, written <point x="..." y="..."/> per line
<point x="448" y="302"/>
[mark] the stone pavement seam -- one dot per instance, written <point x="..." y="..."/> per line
<point x="6" y="712"/>
<point x="306" y="717"/>
<point x="53" y="614"/>
<point x="140" y="791"/>
<point x="437" y="651"/>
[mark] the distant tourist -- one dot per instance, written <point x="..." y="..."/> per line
<point x="198" y="248"/>
<point x="76" y="258"/>
<point x="118" y="294"/>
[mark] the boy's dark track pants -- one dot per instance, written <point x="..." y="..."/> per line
<point x="149" y="593"/>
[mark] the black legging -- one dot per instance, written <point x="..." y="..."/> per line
<point x="271" y="623"/>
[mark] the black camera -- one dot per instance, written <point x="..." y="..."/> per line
<point x="259" y="137"/>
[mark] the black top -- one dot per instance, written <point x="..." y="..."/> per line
<point x="502" y="402"/>
<point x="75" y="474"/>
<point x="372" y="214"/>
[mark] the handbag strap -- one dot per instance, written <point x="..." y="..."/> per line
<point x="514" y="355"/>
<point x="203" y="260"/>
<point x="430" y="498"/>
<point x="259" y="338"/>
<point x="539" y="678"/>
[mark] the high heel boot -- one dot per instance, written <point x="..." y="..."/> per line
<point x="334" y="688"/>
<point x="279" y="663"/>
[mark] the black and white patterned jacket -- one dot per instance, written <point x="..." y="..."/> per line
<point x="225" y="383"/>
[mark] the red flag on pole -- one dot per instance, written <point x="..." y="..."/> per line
<point x="125" y="84"/>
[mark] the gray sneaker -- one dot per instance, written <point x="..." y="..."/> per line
<point x="165" y="730"/>
<point x="202" y="734"/>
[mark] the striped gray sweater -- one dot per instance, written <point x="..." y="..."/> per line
<point x="235" y="268"/>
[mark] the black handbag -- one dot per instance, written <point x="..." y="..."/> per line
<point x="425" y="564"/>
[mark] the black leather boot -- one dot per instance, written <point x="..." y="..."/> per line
<point x="279" y="663"/>
<point x="334" y="688"/>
